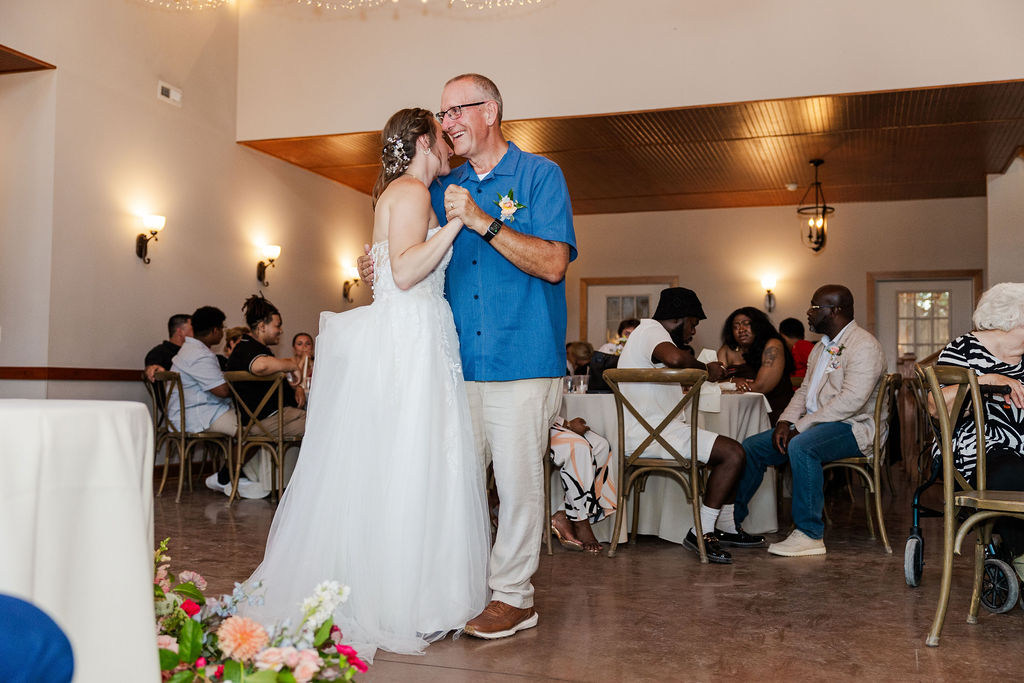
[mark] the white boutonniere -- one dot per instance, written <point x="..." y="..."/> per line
<point x="508" y="206"/>
<point x="834" y="351"/>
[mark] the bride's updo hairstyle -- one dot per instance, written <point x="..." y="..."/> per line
<point x="398" y="144"/>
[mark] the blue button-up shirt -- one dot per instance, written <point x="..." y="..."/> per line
<point x="511" y="325"/>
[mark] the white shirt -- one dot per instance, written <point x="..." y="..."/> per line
<point x="200" y="372"/>
<point x="818" y="375"/>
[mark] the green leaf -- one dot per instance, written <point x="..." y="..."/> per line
<point x="267" y="676"/>
<point x="168" y="659"/>
<point x="322" y="633"/>
<point x="286" y="676"/>
<point x="510" y="195"/>
<point x="190" y="641"/>
<point x="233" y="671"/>
<point x="183" y="677"/>
<point x="189" y="590"/>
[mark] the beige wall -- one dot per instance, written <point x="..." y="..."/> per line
<point x="350" y="70"/>
<point x="722" y="253"/>
<point x="1006" y="225"/>
<point x="111" y="151"/>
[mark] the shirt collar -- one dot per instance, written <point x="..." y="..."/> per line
<point x="826" y="341"/>
<point x="507" y="165"/>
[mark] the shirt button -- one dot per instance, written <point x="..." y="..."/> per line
<point x="476" y="296"/>
<point x="474" y="262"/>
<point x="478" y="333"/>
<point x="478" y="190"/>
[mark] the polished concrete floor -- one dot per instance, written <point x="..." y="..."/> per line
<point x="653" y="613"/>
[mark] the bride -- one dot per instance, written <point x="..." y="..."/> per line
<point x="387" y="496"/>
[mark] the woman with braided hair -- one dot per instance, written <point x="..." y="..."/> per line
<point x="388" y="495"/>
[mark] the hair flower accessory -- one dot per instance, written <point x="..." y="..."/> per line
<point x="508" y="206"/>
<point x="393" y="156"/>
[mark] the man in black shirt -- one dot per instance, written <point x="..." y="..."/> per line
<point x="160" y="356"/>
<point x="253" y="354"/>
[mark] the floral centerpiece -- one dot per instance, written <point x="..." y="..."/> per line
<point x="204" y="639"/>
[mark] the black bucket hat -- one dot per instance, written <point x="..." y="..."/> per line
<point x="678" y="302"/>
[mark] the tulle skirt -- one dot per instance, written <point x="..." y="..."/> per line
<point x="388" y="495"/>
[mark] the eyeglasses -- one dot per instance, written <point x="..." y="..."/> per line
<point x="456" y="111"/>
<point x="815" y="307"/>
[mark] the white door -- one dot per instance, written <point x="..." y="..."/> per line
<point x="920" y="316"/>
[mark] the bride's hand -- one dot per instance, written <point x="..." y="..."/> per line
<point x="365" y="265"/>
<point x="459" y="204"/>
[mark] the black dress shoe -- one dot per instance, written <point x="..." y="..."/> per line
<point x="740" y="539"/>
<point x="711" y="547"/>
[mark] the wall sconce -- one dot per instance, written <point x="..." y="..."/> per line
<point x="270" y="252"/>
<point x="346" y="288"/>
<point x="768" y="282"/>
<point x="154" y="224"/>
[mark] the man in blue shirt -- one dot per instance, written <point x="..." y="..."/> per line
<point x="506" y="287"/>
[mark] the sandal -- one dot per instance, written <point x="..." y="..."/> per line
<point x="566" y="543"/>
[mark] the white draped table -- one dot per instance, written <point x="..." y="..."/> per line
<point x="664" y="510"/>
<point x="76" y="527"/>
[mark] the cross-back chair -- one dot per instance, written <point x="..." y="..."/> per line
<point x="986" y="504"/>
<point x="253" y="433"/>
<point x="167" y="386"/>
<point x="634" y="468"/>
<point x="870" y="468"/>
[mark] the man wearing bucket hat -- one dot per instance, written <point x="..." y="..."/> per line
<point x="656" y="343"/>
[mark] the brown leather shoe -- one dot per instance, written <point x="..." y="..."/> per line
<point x="501" y="620"/>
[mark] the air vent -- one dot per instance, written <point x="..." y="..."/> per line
<point x="168" y="93"/>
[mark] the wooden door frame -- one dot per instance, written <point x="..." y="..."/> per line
<point x="975" y="275"/>
<point x="585" y="282"/>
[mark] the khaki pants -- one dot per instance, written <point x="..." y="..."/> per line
<point x="510" y="425"/>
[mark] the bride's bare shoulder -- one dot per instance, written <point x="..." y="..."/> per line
<point x="405" y="189"/>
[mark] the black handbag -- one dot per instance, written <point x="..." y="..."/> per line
<point x="600" y="362"/>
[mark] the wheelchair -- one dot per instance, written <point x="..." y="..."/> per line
<point x="1001" y="586"/>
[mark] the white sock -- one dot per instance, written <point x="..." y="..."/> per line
<point x="727" y="520"/>
<point x="708" y="517"/>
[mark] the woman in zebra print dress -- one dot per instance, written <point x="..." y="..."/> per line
<point x="994" y="352"/>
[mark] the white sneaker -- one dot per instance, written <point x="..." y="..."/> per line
<point x="251" y="489"/>
<point x="213" y="483"/>
<point x="798" y="544"/>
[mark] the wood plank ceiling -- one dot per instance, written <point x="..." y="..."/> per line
<point x="910" y="144"/>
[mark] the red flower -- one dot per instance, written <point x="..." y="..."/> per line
<point x="190" y="608"/>
<point x="201" y="662"/>
<point x="346" y="650"/>
<point x="335" y="629"/>
<point x="219" y="672"/>
<point x="358" y="664"/>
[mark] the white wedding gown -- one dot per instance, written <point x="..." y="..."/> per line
<point x="388" y="495"/>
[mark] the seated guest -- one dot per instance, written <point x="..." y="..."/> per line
<point x="792" y="331"/>
<point x="253" y="354"/>
<point x="160" y="356"/>
<point x="756" y="358"/>
<point x="626" y="328"/>
<point x="33" y="648"/>
<point x="655" y="343"/>
<point x="587" y="481"/>
<point x="232" y="336"/>
<point x="994" y="351"/>
<point x="302" y="352"/>
<point x="577" y="356"/>
<point x="830" y="417"/>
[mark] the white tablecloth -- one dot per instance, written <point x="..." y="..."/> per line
<point x="664" y="510"/>
<point x="76" y="527"/>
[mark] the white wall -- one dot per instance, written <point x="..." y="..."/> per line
<point x="722" y="253"/>
<point x="114" y="151"/>
<point x="1006" y="225"/>
<point x="348" y="71"/>
<point x="27" y="113"/>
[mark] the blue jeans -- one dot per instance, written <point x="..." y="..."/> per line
<point x="807" y="452"/>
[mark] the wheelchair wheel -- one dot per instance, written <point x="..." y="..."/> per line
<point x="999" y="586"/>
<point x="913" y="561"/>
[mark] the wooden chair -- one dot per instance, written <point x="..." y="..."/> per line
<point x="252" y="433"/>
<point x="158" y="409"/>
<point x="634" y="469"/>
<point x="986" y="504"/>
<point x="167" y="385"/>
<point x="871" y="467"/>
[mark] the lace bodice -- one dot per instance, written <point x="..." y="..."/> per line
<point x="384" y="281"/>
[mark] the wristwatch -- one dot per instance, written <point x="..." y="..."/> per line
<point x="493" y="229"/>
